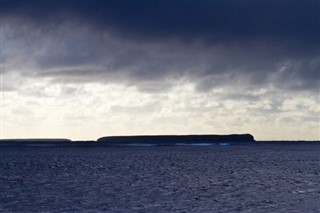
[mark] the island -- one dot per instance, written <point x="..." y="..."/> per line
<point x="35" y="142"/>
<point x="176" y="139"/>
<point x="137" y="140"/>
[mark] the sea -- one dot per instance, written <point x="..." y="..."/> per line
<point x="222" y="177"/>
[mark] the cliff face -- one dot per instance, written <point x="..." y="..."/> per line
<point x="172" y="139"/>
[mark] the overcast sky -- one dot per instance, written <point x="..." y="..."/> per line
<point x="82" y="69"/>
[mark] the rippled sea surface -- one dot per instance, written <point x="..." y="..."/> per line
<point x="237" y="178"/>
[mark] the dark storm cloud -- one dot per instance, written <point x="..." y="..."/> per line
<point x="297" y="20"/>
<point x="213" y="43"/>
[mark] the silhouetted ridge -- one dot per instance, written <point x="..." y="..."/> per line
<point x="173" y="139"/>
<point x="40" y="140"/>
<point x="35" y="142"/>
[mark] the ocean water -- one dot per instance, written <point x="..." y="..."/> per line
<point x="208" y="178"/>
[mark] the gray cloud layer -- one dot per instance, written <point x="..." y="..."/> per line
<point x="295" y="19"/>
<point x="151" y="45"/>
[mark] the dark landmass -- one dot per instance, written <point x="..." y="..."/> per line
<point x="148" y="140"/>
<point x="174" y="139"/>
<point x="37" y="140"/>
<point x="142" y="140"/>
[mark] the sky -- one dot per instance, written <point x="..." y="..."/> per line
<point x="83" y="69"/>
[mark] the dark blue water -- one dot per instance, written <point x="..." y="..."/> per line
<point x="208" y="178"/>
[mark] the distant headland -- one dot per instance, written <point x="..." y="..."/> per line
<point x="141" y="139"/>
<point x="145" y="140"/>
<point x="173" y="139"/>
<point x="39" y="140"/>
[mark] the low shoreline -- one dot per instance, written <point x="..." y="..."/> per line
<point x="148" y="140"/>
